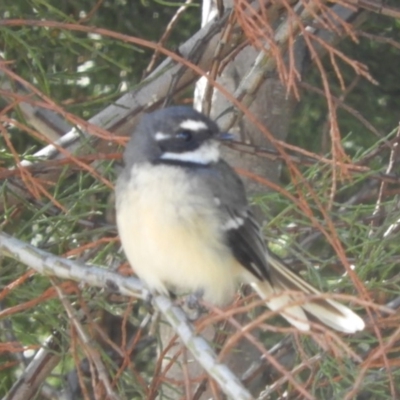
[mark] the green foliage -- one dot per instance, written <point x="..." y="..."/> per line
<point x="86" y="72"/>
<point x="377" y="103"/>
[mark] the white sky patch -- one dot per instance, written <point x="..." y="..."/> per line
<point x="83" y="81"/>
<point x="123" y="87"/>
<point x="95" y="36"/>
<point x="193" y="125"/>
<point x="29" y="353"/>
<point x="85" y="66"/>
<point x="162" y="136"/>
<point x="207" y="153"/>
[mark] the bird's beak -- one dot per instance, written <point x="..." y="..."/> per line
<point x="224" y="136"/>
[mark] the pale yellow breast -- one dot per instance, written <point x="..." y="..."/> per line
<point x="171" y="234"/>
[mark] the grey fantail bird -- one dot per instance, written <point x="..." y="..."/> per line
<point x="186" y="225"/>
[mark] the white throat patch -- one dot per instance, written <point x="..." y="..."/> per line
<point x="207" y="153"/>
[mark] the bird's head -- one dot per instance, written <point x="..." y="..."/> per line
<point x="176" y="134"/>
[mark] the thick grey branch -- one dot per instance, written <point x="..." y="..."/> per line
<point x="49" y="264"/>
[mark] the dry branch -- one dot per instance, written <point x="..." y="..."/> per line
<point x="48" y="264"/>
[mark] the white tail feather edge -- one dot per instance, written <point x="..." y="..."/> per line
<point x="348" y="322"/>
<point x="342" y="318"/>
<point x="277" y="302"/>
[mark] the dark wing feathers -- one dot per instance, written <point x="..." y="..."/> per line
<point x="248" y="248"/>
<point x="242" y="231"/>
<point x="244" y="238"/>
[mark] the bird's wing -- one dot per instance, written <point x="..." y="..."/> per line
<point x="274" y="278"/>
<point x="242" y="232"/>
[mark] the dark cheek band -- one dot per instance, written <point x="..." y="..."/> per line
<point x="178" y="146"/>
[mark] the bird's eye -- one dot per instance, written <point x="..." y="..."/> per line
<point x="185" y="135"/>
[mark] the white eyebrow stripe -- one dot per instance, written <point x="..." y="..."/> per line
<point x="193" y="125"/>
<point x="162" y="136"/>
<point x="206" y="154"/>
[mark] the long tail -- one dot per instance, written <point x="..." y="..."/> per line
<point x="330" y="312"/>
